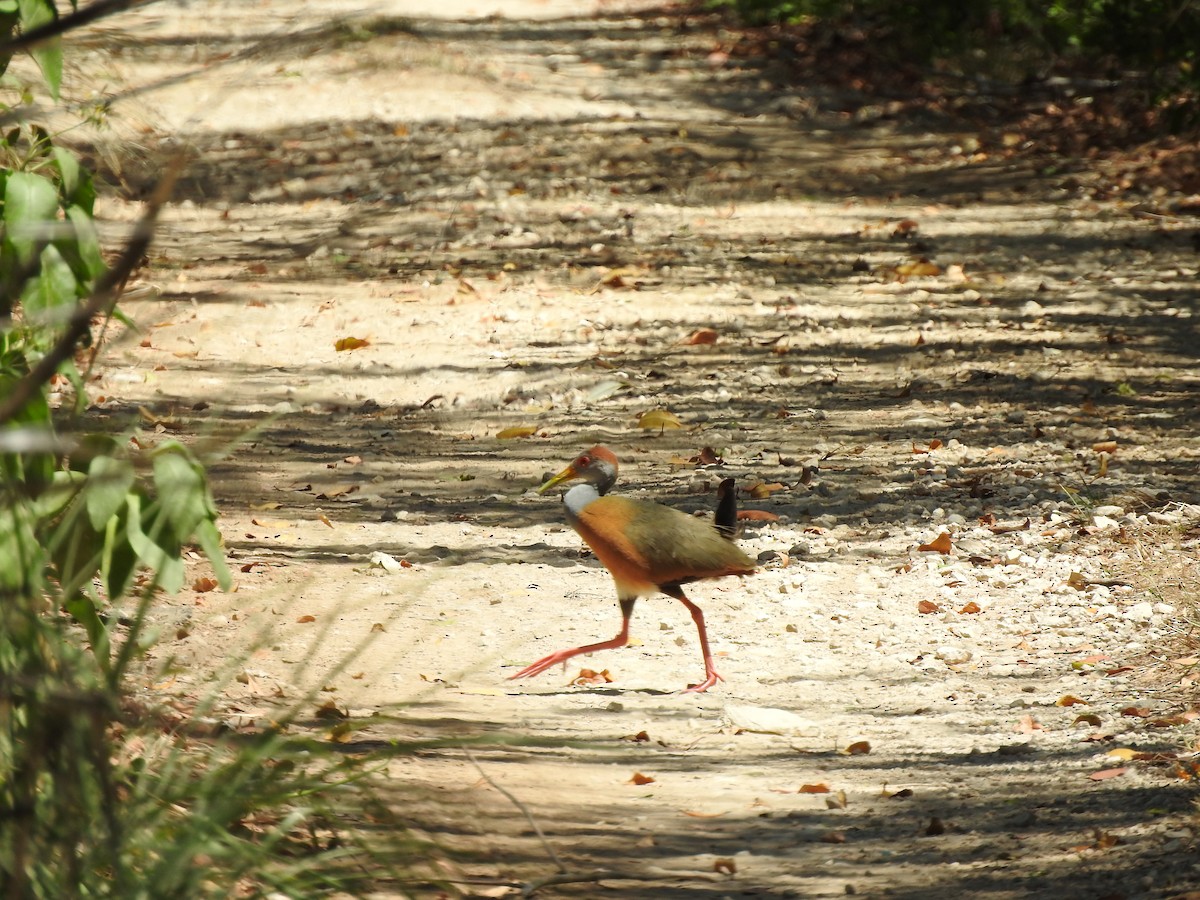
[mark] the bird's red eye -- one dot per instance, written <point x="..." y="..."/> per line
<point x="584" y="461"/>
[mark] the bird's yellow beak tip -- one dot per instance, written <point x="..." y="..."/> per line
<point x="565" y="475"/>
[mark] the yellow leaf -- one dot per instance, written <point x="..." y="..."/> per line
<point x="350" y="343"/>
<point x="1122" y="753"/>
<point x="517" y="431"/>
<point x="658" y="418"/>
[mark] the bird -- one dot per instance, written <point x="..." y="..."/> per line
<point x="648" y="548"/>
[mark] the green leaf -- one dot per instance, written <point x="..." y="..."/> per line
<point x="30" y="205"/>
<point x="78" y="189"/>
<point x="182" y="491"/>
<point x="209" y="539"/>
<point x="167" y="566"/>
<point x="109" y="481"/>
<point x="53" y="287"/>
<point x="83" y="610"/>
<point x="118" y="561"/>
<point x="48" y="55"/>
<point x="63" y="487"/>
<point x="22" y="558"/>
<point x="82" y="248"/>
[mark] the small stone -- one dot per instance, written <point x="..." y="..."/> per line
<point x="1140" y="612"/>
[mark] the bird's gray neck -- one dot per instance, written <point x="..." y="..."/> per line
<point x="577" y="498"/>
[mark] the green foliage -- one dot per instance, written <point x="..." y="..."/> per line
<point x="1158" y="38"/>
<point x="101" y="796"/>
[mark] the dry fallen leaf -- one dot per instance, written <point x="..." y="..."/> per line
<point x="833" y="837"/>
<point x="590" y="676"/>
<point x="859" y="748"/>
<point x="1087" y="719"/>
<point x="304" y="620"/>
<point x="516" y="431"/>
<point x="1027" y="725"/>
<point x="1105" y="447"/>
<point x="837" y="801"/>
<point x="1070" y="700"/>
<point x="820" y="788"/>
<point x="702" y="336"/>
<point x="203" y="585"/>
<point x="925" y="607"/>
<point x="935" y="827"/>
<point x="921" y="268"/>
<point x="1136" y="712"/>
<point x="1105" y="774"/>
<point x="658" y="418"/>
<point x="639" y="778"/>
<point x="940" y="544"/>
<point x="350" y="343"/>
<point x="970" y="609"/>
<point x="756" y="515"/>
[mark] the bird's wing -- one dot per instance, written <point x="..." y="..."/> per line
<point x="650" y="544"/>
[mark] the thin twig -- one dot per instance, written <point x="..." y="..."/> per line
<point x="524" y="811"/>
<point x="529" y="888"/>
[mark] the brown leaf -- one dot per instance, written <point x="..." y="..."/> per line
<point x="1136" y="712"/>
<point x="905" y="227"/>
<point x="350" y="343"/>
<point x="837" y="801"/>
<point x="329" y="710"/>
<point x="203" y="585"/>
<point x="935" y="827"/>
<point x="1105" y="446"/>
<point x="1105" y="774"/>
<point x="702" y="336"/>
<point x="639" y="779"/>
<point x="859" y="748"/>
<point x="940" y="544"/>
<point x="833" y="837"/>
<point x="640" y="738"/>
<point x="820" y="788"/>
<point x="921" y="268"/>
<point x="756" y="515"/>
<point x="1070" y="700"/>
<point x="304" y="620"/>
<point x="1087" y="719"/>
<point x="1027" y="725"/>
<point x="706" y="457"/>
<point x="970" y="609"/>
<point x="925" y="607"/>
<point x="590" y="676"/>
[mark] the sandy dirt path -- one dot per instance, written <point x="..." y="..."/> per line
<point x="527" y="210"/>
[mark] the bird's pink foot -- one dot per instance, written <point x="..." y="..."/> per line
<point x="713" y="676"/>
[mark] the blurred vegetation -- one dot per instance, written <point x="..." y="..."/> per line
<point x="1155" y="42"/>
<point x="106" y="790"/>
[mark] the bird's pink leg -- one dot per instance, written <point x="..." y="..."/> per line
<point x="711" y="675"/>
<point x="562" y="656"/>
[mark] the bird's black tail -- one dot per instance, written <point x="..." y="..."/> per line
<point x="726" y="516"/>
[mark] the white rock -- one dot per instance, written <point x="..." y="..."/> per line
<point x="767" y="720"/>
<point x="385" y="562"/>
<point x="1104" y="523"/>
<point x="1140" y="612"/>
<point x="953" y="656"/>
